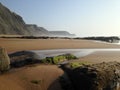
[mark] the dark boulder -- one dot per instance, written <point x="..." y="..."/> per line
<point x="22" y="58"/>
<point x="102" y="76"/>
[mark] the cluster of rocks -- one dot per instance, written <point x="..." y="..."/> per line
<point x="102" y="76"/>
<point x="112" y="39"/>
<point x="22" y="58"/>
<point x="17" y="59"/>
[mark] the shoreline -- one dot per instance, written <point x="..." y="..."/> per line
<point x="13" y="45"/>
<point x="100" y="56"/>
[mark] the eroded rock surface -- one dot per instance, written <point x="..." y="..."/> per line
<point x="22" y="58"/>
<point x="102" y="76"/>
<point x="4" y="60"/>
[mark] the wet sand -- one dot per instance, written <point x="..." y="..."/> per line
<point x="20" y="78"/>
<point x="12" y="45"/>
<point x="101" y="56"/>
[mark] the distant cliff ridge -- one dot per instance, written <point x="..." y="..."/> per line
<point x="41" y="31"/>
<point x="61" y="33"/>
<point x="13" y="24"/>
<point x="37" y="31"/>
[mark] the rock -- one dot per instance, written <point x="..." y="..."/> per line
<point x="22" y="58"/>
<point x="59" y="59"/>
<point x="102" y="76"/>
<point x="4" y="60"/>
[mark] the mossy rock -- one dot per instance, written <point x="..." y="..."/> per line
<point x="100" y="76"/>
<point x="78" y="64"/>
<point x="4" y="60"/>
<point x="58" y="59"/>
<point x="70" y="56"/>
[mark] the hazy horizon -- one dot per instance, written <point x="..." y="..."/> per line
<point x="80" y="17"/>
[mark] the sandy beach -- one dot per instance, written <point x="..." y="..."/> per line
<point x="47" y="75"/>
<point x="101" y="56"/>
<point x="12" y="45"/>
<point x="21" y="78"/>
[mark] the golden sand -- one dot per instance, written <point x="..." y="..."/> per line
<point x="41" y="44"/>
<point x="101" y="56"/>
<point x="20" y="79"/>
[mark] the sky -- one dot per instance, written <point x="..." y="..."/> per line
<point x="81" y="17"/>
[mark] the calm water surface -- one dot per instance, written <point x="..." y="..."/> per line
<point x="76" y="52"/>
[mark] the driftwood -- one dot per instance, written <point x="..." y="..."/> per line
<point x="102" y="76"/>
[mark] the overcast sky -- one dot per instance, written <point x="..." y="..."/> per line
<point x="82" y="17"/>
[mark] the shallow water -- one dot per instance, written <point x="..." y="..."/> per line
<point x="77" y="52"/>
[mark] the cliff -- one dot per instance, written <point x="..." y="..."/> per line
<point x="40" y="31"/>
<point x="37" y="31"/>
<point x="11" y="23"/>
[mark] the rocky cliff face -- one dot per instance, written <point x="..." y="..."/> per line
<point x="11" y="23"/>
<point x="37" y="31"/>
<point x="40" y="31"/>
